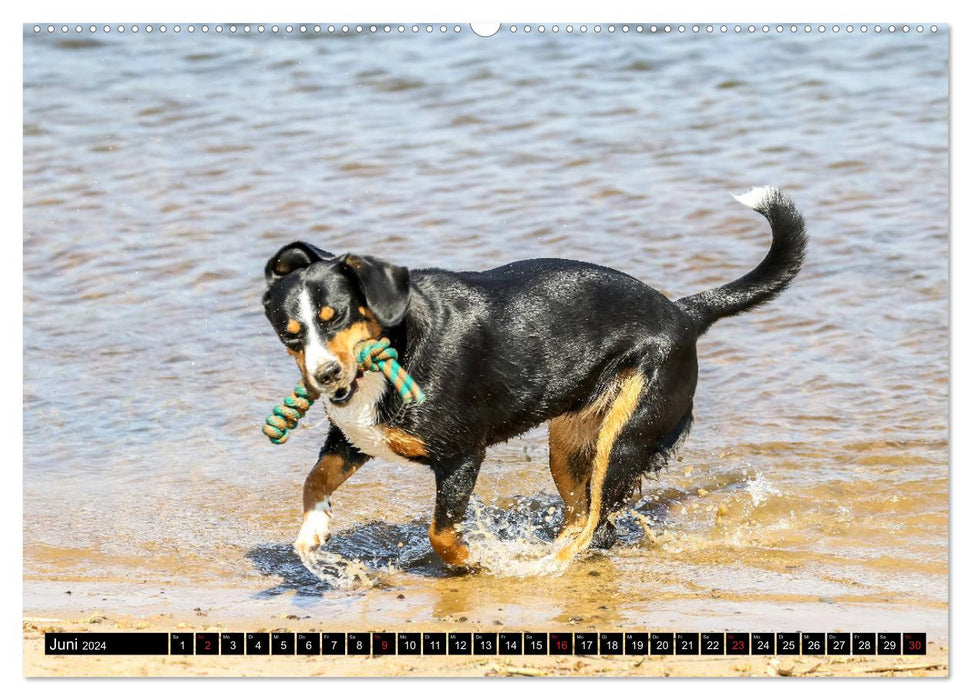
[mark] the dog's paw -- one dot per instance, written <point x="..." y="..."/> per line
<point x="314" y="532"/>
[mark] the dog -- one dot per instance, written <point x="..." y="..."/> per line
<point x="608" y="362"/>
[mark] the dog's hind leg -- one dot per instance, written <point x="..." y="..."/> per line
<point x="573" y="440"/>
<point x="621" y="409"/>
<point x="454" y="481"/>
<point x="647" y="416"/>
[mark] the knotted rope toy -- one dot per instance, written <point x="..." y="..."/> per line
<point x="373" y="356"/>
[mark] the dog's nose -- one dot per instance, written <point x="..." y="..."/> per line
<point x="328" y="373"/>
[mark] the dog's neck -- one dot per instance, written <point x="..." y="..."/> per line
<point x="411" y="334"/>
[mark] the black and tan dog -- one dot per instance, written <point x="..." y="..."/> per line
<point x="607" y="361"/>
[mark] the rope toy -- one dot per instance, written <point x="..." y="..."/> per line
<point x="379" y="356"/>
<point x="284" y="417"/>
<point x="373" y="356"/>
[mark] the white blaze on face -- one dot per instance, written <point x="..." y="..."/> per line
<point x="315" y="353"/>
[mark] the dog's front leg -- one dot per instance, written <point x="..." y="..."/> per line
<point x="338" y="460"/>
<point x="454" y="481"/>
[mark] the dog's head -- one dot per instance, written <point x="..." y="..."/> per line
<point x="322" y="305"/>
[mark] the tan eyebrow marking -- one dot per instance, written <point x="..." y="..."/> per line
<point x="293" y="326"/>
<point x="326" y="313"/>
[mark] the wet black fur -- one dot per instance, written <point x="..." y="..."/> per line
<point x="502" y="351"/>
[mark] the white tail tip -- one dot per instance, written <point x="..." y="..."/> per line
<point x="757" y="197"/>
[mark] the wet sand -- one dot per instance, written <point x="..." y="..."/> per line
<point x="935" y="663"/>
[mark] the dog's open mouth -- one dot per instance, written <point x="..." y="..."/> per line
<point x="344" y="394"/>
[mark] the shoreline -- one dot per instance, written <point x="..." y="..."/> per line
<point x="36" y="664"/>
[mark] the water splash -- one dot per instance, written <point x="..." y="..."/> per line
<point x="339" y="572"/>
<point x="512" y="543"/>
<point x="760" y="489"/>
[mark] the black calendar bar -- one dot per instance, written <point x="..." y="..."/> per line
<point x="105" y="643"/>
<point x="368" y="644"/>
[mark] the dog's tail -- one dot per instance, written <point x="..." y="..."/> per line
<point x="773" y="274"/>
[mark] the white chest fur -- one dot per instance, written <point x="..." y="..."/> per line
<point x="358" y="418"/>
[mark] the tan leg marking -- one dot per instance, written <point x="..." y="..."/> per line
<point x="449" y="545"/>
<point x="570" y="437"/>
<point x="621" y="409"/>
<point x="575" y="435"/>
<point x="330" y="472"/>
<point x="405" y="444"/>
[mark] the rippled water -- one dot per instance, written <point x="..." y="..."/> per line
<point x="160" y="171"/>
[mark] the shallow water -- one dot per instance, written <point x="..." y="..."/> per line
<point x="160" y="171"/>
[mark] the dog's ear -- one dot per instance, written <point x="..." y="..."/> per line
<point x="293" y="257"/>
<point x="386" y="287"/>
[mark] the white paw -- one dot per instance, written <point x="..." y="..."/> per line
<point x="314" y="532"/>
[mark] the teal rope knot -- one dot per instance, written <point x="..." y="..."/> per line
<point x="379" y="356"/>
<point x="284" y="418"/>
<point x="372" y="356"/>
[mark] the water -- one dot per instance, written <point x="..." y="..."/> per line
<point x="161" y="171"/>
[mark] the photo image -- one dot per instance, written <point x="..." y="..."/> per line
<point x="519" y="350"/>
